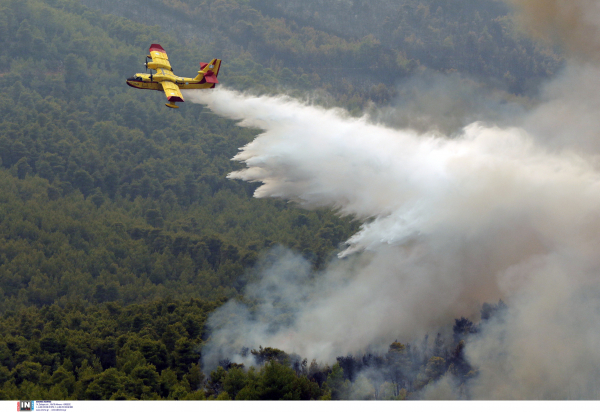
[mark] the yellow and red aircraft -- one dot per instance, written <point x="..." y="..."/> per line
<point x="165" y="80"/>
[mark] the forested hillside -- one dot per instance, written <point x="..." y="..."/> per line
<point x="108" y="197"/>
<point x="106" y="194"/>
<point x="472" y="37"/>
<point x="358" y="49"/>
<point x="119" y="231"/>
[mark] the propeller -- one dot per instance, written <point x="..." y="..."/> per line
<point x="146" y="64"/>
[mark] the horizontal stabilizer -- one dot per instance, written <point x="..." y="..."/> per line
<point x="211" y="78"/>
<point x="209" y="71"/>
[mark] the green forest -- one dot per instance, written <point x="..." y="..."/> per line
<point x="119" y="231"/>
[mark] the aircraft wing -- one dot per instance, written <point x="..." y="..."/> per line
<point x="172" y="91"/>
<point x="159" y="58"/>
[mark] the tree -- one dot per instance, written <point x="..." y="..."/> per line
<point x="154" y="218"/>
<point x="185" y="355"/>
<point x="278" y="382"/>
<point x="195" y="377"/>
<point x="97" y="198"/>
<point x="336" y="384"/>
<point x="76" y="68"/>
<point x="24" y="37"/>
<point x="234" y="381"/>
<point x="27" y="371"/>
<point x="104" y="385"/>
<point x="145" y="380"/>
<point x="433" y="370"/>
<point x="83" y="181"/>
<point x="397" y="364"/>
<point x="463" y="327"/>
<point x="23" y="168"/>
<point x="214" y="385"/>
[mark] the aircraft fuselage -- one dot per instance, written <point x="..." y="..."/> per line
<point x="145" y="81"/>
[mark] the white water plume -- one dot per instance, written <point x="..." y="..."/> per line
<point x="449" y="224"/>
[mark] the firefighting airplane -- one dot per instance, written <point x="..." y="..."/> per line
<point x="165" y="80"/>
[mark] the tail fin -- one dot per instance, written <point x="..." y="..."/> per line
<point x="209" y="71"/>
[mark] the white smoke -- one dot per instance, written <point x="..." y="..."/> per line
<point x="568" y="118"/>
<point x="449" y="224"/>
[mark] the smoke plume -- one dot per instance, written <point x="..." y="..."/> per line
<point x="431" y="101"/>
<point x="575" y="24"/>
<point x="448" y="224"/>
<point x="568" y="117"/>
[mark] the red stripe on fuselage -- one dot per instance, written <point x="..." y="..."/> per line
<point x="138" y="87"/>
